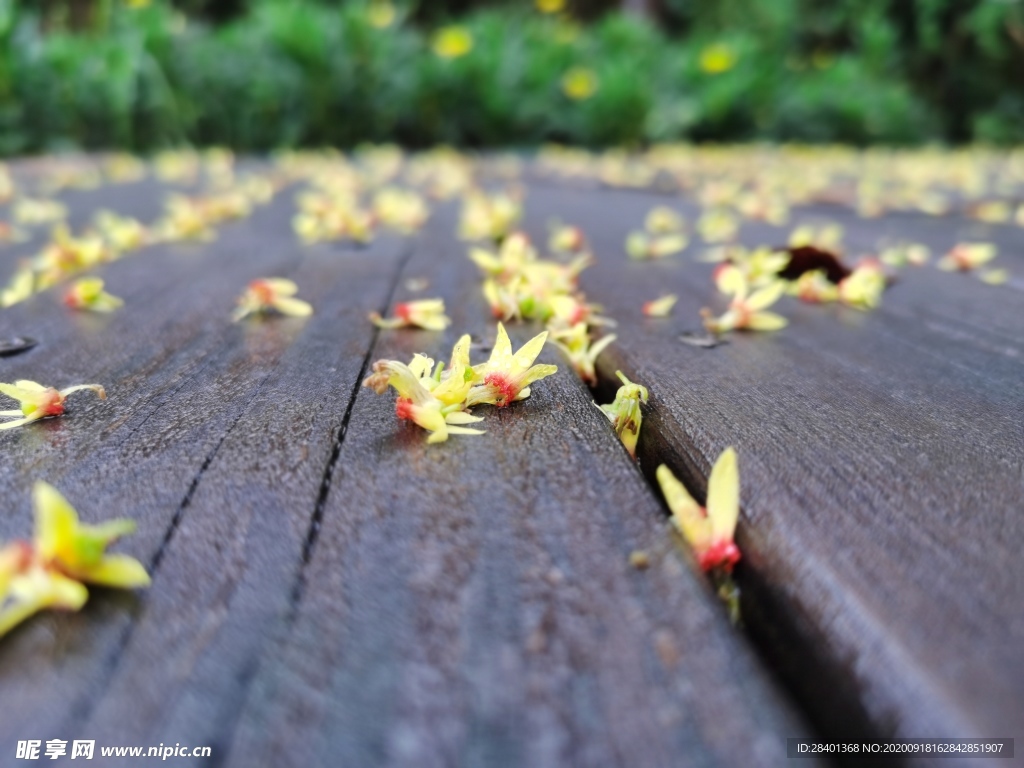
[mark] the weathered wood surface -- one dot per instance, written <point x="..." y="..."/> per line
<point x="327" y="588"/>
<point x="882" y="464"/>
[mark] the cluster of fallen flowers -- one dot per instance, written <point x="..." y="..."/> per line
<point x="519" y="285"/>
<point x="439" y="399"/>
<point x="51" y="571"/>
<point x="112" y="236"/>
<point x="810" y="269"/>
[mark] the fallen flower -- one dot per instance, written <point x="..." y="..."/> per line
<point x="913" y="254"/>
<point x="994" y="276"/>
<point x="746" y="312"/>
<point x="400" y="209"/>
<point x="624" y="412"/>
<point x="271" y="293"/>
<point x="718" y="226"/>
<point x="709" y="531"/>
<point x="641" y="245"/>
<point x="39" y="402"/>
<point x="660" y="307"/>
<point x="567" y="239"/>
<point x="814" y="288"/>
<point x="964" y="257"/>
<point x="863" y="288"/>
<point x="88" y="293"/>
<point x="21" y="286"/>
<point x="424" y="313"/>
<point x="417" y="404"/>
<point x="488" y="217"/>
<point x="662" y="220"/>
<point x="827" y="237"/>
<point x="575" y="343"/>
<point x="506" y="376"/>
<point x="47" y="573"/>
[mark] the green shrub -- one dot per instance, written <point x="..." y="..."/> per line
<point x="283" y="73"/>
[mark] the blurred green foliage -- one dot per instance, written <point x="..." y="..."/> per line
<point x="100" y="73"/>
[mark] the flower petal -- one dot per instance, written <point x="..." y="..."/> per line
<point x="765" y="297"/>
<point x="687" y="515"/>
<point x="122" y="571"/>
<point x="56" y="521"/>
<point x="724" y="495"/>
<point x="766" y="321"/>
<point x="528" y="352"/>
<point x="293" y="307"/>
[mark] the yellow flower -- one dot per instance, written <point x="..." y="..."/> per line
<point x="381" y="14"/>
<point x="580" y="83"/>
<point x="417" y="403"/>
<point x="760" y="266"/>
<point x="994" y="276"/>
<point x="33" y="211"/>
<point x="662" y="220"/>
<point x="48" y="572"/>
<point x="550" y="6"/>
<point x="904" y="254"/>
<point x="271" y="293"/>
<point x="660" y="307"/>
<point x="640" y="245"/>
<point x="718" y="226"/>
<point x="710" y="530"/>
<point x="88" y="293"/>
<point x="506" y="376"/>
<point x="425" y="313"/>
<point x="828" y="237"/>
<point x="453" y="42"/>
<point x="515" y="253"/>
<point x="746" y="312"/>
<point x="400" y="209"/>
<point x="717" y="58"/>
<point x="488" y="217"/>
<point x="79" y="550"/>
<point x="814" y="288"/>
<point x="567" y="239"/>
<point x="452" y="386"/>
<point x="137" y="3"/>
<point x="624" y="412"/>
<point x="65" y="254"/>
<point x="122" y="232"/>
<point x="862" y="288"/>
<point x="39" y="402"/>
<point x="22" y="285"/>
<point x="967" y="256"/>
<point x="575" y="343"/>
<point x="27" y="588"/>
<point x="992" y="211"/>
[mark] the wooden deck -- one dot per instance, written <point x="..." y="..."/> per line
<point x="330" y="590"/>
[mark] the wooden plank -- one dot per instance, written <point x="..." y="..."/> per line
<point x="472" y="602"/>
<point x="215" y="437"/>
<point x="881" y="460"/>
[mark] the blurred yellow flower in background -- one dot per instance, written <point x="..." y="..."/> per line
<point x="717" y="58"/>
<point x="579" y="83"/>
<point x="550" y="6"/>
<point x="381" y="14"/>
<point x="453" y="42"/>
